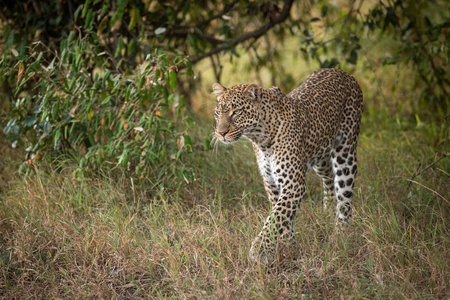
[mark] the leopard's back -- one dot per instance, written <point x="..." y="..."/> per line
<point x="327" y="100"/>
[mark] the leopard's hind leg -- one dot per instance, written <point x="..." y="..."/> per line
<point x="325" y="171"/>
<point x="343" y="157"/>
<point x="345" y="169"/>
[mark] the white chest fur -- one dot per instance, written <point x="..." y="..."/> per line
<point x="267" y="164"/>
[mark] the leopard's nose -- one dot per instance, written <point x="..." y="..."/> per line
<point x="222" y="133"/>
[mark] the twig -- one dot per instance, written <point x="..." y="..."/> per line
<point x="439" y="169"/>
<point x="219" y="15"/>
<point x="255" y="63"/>
<point x="347" y="18"/>
<point x="192" y="195"/>
<point x="433" y="191"/>
<point x="217" y="67"/>
<point x="184" y="31"/>
<point x="443" y="155"/>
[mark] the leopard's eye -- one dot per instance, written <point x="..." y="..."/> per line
<point x="236" y="112"/>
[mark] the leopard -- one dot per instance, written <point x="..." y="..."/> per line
<point x="315" y="126"/>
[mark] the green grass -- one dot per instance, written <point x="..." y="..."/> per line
<point x="65" y="235"/>
<point x="81" y="235"/>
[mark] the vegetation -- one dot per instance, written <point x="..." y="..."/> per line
<point x="109" y="187"/>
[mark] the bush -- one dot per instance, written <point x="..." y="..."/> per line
<point x="76" y="104"/>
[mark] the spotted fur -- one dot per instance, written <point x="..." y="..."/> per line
<point x="314" y="126"/>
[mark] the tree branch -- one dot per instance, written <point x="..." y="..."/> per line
<point x="197" y="32"/>
<point x="257" y="33"/>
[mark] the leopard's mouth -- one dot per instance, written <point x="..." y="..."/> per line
<point x="228" y="139"/>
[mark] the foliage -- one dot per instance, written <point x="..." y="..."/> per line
<point x="329" y="32"/>
<point x="126" y="32"/>
<point x="73" y="92"/>
<point x="417" y="33"/>
<point x="131" y="28"/>
<point x="74" y="102"/>
<point x="95" y="77"/>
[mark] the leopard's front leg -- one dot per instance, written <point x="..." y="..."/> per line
<point x="279" y="225"/>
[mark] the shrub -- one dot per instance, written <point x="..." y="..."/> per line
<point x="75" y="103"/>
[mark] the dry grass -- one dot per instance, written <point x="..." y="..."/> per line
<point x="72" y="236"/>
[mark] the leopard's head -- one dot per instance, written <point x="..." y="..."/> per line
<point x="236" y="110"/>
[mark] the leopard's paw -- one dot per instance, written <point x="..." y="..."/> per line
<point x="341" y="228"/>
<point x="261" y="252"/>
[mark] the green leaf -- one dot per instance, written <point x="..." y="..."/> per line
<point x="324" y="11"/>
<point x="38" y="59"/>
<point x="106" y="75"/>
<point x="188" y="143"/>
<point x="186" y="7"/>
<point x="120" y="46"/>
<point x="123" y="159"/>
<point x="107" y="100"/>
<point x="179" y="153"/>
<point x="89" y="20"/>
<point x="77" y="13"/>
<point x="353" y="58"/>
<point x="189" y="68"/>
<point x="56" y="138"/>
<point x="103" y="24"/>
<point x="134" y="18"/>
<point x="119" y="12"/>
<point x="85" y="8"/>
<point x="419" y="123"/>
<point x="9" y="126"/>
<point x="29" y="121"/>
<point x="207" y="144"/>
<point x="70" y="38"/>
<point x="131" y="46"/>
<point x="55" y="110"/>
<point x="172" y="79"/>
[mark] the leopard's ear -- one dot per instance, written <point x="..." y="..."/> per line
<point x="253" y="92"/>
<point x="218" y="89"/>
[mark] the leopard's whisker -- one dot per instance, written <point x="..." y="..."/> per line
<point x="216" y="146"/>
